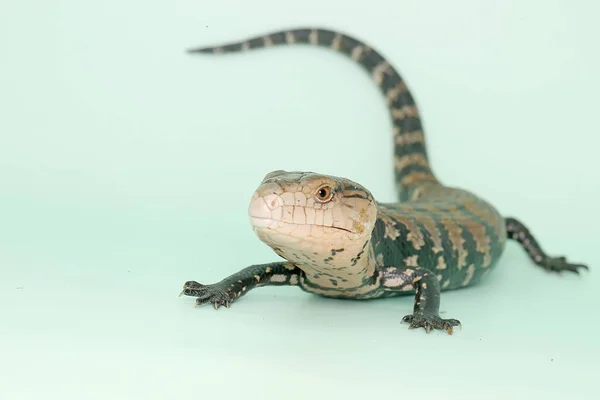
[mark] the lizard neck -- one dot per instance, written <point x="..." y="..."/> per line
<point x="340" y="267"/>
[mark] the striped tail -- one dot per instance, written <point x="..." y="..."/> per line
<point x="412" y="169"/>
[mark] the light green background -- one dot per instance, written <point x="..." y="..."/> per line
<point x="126" y="167"/>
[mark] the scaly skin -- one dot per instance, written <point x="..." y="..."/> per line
<point x="338" y="241"/>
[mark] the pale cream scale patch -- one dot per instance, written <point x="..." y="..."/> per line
<point x="411" y="159"/>
<point x="379" y="71"/>
<point x="455" y="236"/>
<point x="469" y="276"/>
<point x="290" y="37"/>
<point x="482" y="241"/>
<point x="411" y="261"/>
<point x="394" y="92"/>
<point x="417" y="177"/>
<point x="414" y="233"/>
<point x="394" y="282"/>
<point x="404" y="111"/>
<point x="267" y="41"/>
<point x="337" y="41"/>
<point x="357" y="52"/>
<point x="278" y="278"/>
<point x="406" y="138"/>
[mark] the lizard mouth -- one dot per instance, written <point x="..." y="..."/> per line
<point x="275" y="224"/>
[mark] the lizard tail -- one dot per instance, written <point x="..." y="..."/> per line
<point x="411" y="163"/>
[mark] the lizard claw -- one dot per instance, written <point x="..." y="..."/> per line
<point x="558" y="264"/>
<point x="429" y="322"/>
<point x="208" y="294"/>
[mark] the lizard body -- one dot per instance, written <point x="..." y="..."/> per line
<point x="338" y="241"/>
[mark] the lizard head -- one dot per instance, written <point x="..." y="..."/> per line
<point x="303" y="214"/>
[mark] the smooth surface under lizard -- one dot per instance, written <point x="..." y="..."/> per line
<point x="338" y="241"/>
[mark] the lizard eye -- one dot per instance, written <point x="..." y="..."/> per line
<point x="324" y="194"/>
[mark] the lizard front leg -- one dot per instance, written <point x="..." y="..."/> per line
<point x="233" y="287"/>
<point x="427" y="296"/>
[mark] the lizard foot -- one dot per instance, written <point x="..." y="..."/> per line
<point x="419" y="320"/>
<point x="207" y="294"/>
<point x="558" y="264"/>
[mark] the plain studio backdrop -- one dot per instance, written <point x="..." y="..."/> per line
<point x="127" y="165"/>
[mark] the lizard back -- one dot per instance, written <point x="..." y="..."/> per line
<point x="456" y="233"/>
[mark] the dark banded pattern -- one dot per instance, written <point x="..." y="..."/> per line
<point x="412" y="167"/>
<point x="456" y="237"/>
<point x="233" y="287"/>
